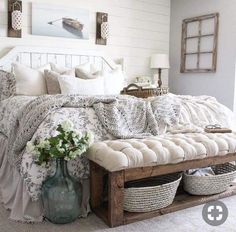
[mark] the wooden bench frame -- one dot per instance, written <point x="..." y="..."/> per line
<point x="112" y="211"/>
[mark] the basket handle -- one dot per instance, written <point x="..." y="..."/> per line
<point x="139" y="88"/>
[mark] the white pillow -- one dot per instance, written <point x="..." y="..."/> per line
<point x="80" y="86"/>
<point x="61" y="69"/>
<point x="87" y="71"/>
<point x="86" y="67"/>
<point x="30" y="82"/>
<point x="114" y="82"/>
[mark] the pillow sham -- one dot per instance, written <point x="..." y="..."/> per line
<point x="7" y="85"/>
<point x="87" y="71"/>
<point x="62" y="70"/>
<point x="84" y="75"/>
<point x="114" y="81"/>
<point x="30" y="82"/>
<point x="80" y="86"/>
<point x="52" y="84"/>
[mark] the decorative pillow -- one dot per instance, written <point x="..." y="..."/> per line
<point x="51" y="77"/>
<point x="86" y="67"/>
<point x="30" y="81"/>
<point x="80" y="86"/>
<point x="62" y="70"/>
<point x="84" y="75"/>
<point x="114" y="82"/>
<point x="87" y="71"/>
<point x="7" y="85"/>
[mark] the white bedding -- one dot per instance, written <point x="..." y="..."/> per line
<point x="195" y="112"/>
<point x="204" y="110"/>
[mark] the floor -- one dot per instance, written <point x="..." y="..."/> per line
<point x="189" y="220"/>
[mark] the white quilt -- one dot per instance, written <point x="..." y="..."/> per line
<point x="200" y="111"/>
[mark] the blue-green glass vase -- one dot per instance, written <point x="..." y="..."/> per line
<point x="61" y="195"/>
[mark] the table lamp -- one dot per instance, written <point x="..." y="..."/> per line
<point x="159" y="61"/>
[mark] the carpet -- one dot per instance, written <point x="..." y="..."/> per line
<point x="188" y="220"/>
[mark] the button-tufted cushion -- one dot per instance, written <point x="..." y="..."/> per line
<point x="116" y="155"/>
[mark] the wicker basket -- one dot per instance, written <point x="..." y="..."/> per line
<point x="152" y="194"/>
<point x="140" y="92"/>
<point x="208" y="185"/>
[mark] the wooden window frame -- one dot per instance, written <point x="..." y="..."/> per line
<point x="199" y="36"/>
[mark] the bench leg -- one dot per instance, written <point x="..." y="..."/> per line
<point x="96" y="185"/>
<point x="115" y="198"/>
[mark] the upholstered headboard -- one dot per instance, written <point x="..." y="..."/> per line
<point x="35" y="57"/>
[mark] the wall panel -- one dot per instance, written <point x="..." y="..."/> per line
<point x="138" y="28"/>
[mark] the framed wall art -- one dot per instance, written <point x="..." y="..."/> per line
<point x="60" y="21"/>
<point x="199" y="44"/>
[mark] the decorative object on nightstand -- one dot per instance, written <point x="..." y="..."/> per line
<point x="159" y="61"/>
<point x="143" y="81"/>
<point x="144" y="92"/>
<point x="61" y="193"/>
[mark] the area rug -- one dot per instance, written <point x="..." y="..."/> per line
<point x="188" y="220"/>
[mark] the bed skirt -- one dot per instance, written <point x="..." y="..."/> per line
<point x="15" y="197"/>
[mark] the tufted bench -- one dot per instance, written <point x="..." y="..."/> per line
<point x="118" y="161"/>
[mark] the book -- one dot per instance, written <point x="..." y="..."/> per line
<point x="218" y="130"/>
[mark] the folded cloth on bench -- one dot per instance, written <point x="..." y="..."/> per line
<point x="115" y="155"/>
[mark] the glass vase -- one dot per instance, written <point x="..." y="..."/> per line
<point x="61" y="195"/>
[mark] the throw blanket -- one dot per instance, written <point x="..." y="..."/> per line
<point x="199" y="111"/>
<point x="122" y="116"/>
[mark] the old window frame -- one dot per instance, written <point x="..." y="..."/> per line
<point x="199" y="37"/>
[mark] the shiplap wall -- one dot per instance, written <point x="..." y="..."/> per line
<point x="138" y="29"/>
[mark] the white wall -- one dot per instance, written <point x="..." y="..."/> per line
<point x="234" y="109"/>
<point x="138" y="28"/>
<point x="222" y="83"/>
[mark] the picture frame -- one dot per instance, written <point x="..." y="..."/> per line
<point x="60" y="21"/>
<point x="199" y="44"/>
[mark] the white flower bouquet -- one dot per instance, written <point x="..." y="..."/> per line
<point x="67" y="144"/>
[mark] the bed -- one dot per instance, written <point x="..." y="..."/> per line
<point x="25" y="118"/>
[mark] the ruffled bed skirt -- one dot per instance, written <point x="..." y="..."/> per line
<point x="15" y="196"/>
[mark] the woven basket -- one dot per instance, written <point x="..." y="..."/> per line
<point x="208" y="185"/>
<point x="140" y="92"/>
<point x="152" y="194"/>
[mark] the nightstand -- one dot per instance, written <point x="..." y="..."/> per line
<point x="144" y="92"/>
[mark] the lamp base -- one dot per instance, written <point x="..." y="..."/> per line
<point x="157" y="79"/>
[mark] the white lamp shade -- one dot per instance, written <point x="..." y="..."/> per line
<point x="160" y="61"/>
